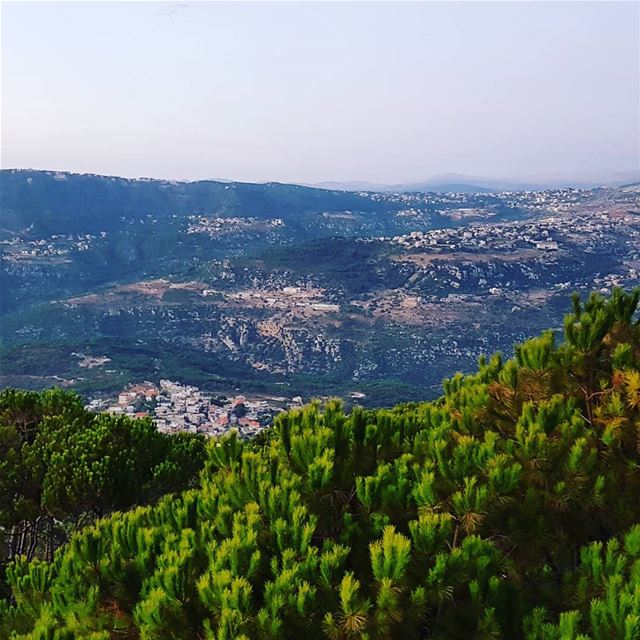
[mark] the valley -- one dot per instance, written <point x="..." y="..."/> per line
<point x="290" y="290"/>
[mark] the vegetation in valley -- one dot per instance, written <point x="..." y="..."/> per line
<point x="56" y="362"/>
<point x="508" y="508"/>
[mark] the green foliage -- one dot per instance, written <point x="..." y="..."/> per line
<point x="509" y="508"/>
<point x="62" y="466"/>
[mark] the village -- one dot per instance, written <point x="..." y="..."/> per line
<point x="54" y="247"/>
<point x="587" y="230"/>
<point x="215" y="226"/>
<point x="176" y="407"/>
<point x="549" y="200"/>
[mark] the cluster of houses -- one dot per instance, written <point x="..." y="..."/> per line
<point x="551" y="233"/>
<point x="184" y="408"/>
<point x="175" y="407"/>
<point x="216" y="226"/>
<point x="55" y="246"/>
<point x="554" y="200"/>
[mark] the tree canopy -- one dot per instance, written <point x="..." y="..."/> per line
<point x="62" y="466"/>
<point x="508" y="508"/>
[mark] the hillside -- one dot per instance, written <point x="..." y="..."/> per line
<point x="81" y="203"/>
<point x="286" y="290"/>
<point x="508" y="508"/>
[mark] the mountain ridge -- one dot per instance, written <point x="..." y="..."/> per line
<point x="439" y="183"/>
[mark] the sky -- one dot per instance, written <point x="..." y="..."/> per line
<point x="306" y="92"/>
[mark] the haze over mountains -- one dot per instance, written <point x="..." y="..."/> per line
<point x="461" y="183"/>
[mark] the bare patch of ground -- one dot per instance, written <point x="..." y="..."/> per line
<point x="423" y="259"/>
<point x="89" y="362"/>
<point x="151" y="289"/>
<point x="397" y="306"/>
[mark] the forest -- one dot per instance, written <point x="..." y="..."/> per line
<point x="508" y="508"/>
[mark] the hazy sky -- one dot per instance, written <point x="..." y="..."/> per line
<point x="322" y="91"/>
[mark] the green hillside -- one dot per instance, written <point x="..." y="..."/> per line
<point x="73" y="203"/>
<point x="508" y="508"/>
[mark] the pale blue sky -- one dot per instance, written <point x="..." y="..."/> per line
<point x="322" y="91"/>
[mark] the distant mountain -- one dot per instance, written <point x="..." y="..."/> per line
<point x="455" y="185"/>
<point x="459" y="183"/>
<point x="445" y="187"/>
<point x="353" y="185"/>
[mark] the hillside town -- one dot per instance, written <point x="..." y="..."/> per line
<point x="588" y="231"/>
<point x="176" y="408"/>
<point x="56" y="246"/>
<point x="215" y="226"/>
<point x="549" y="200"/>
